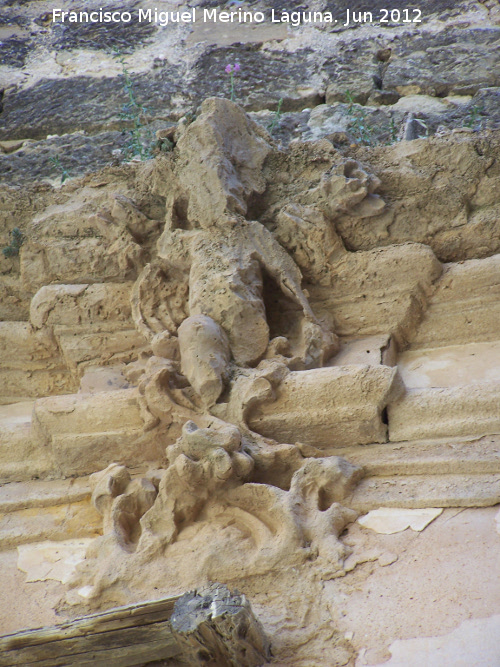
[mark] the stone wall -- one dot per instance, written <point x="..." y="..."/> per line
<point x="214" y="358"/>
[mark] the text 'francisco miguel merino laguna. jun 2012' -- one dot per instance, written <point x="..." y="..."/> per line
<point x="194" y="15"/>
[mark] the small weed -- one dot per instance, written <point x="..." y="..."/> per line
<point x="189" y="117"/>
<point x="393" y="132"/>
<point x="57" y="163"/>
<point x="276" y="118"/>
<point x="141" y="139"/>
<point x="232" y="70"/>
<point x="361" y="130"/>
<point x="164" y="145"/>
<point x="17" y="240"/>
<point x="474" y="115"/>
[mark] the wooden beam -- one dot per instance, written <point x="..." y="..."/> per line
<point x="217" y="628"/>
<point x="120" y="637"/>
<point x="208" y="627"/>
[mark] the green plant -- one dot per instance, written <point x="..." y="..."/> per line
<point x="164" y="145"/>
<point x="393" y="131"/>
<point x="57" y="163"/>
<point x="276" y="117"/>
<point x="474" y="115"/>
<point x="140" y="143"/>
<point x="189" y="117"/>
<point x="232" y="70"/>
<point x="17" y="240"/>
<point x="361" y="130"/>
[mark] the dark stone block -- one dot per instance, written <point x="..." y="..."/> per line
<point x="457" y="60"/>
<point x="264" y="77"/>
<point x="96" y="36"/>
<point x="13" y="51"/>
<point x="56" y="106"/>
<point x="78" y="155"/>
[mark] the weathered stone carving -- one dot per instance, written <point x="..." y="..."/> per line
<point x="217" y="366"/>
<point x="208" y="476"/>
<point x="369" y="274"/>
<point x="122" y="502"/>
<point x="221" y="255"/>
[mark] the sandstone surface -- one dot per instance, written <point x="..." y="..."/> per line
<point x="214" y="359"/>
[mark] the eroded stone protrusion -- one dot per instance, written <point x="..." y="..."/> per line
<point x="205" y="355"/>
<point x="122" y="502"/>
<point x="339" y="406"/>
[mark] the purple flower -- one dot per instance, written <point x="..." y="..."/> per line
<point x="232" y="70"/>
